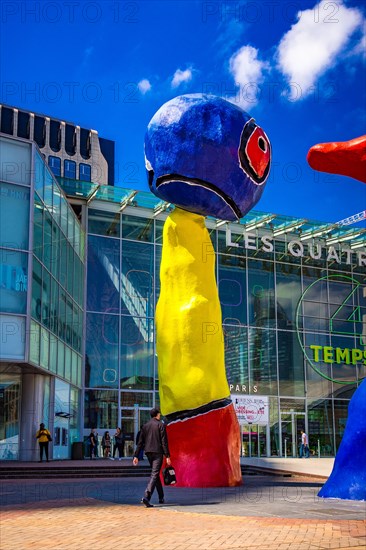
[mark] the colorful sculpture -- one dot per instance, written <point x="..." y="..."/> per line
<point x="209" y="158"/>
<point x="346" y="158"/>
<point x="348" y="477"/>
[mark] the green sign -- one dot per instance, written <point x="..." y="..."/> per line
<point x="331" y="327"/>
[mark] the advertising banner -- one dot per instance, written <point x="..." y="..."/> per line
<point x="251" y="409"/>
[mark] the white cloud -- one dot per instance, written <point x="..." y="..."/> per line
<point x="144" y="86"/>
<point x="313" y="44"/>
<point x="181" y="76"/>
<point x="248" y="72"/>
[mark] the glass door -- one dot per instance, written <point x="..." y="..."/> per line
<point x="262" y="440"/>
<point x="299" y="424"/>
<point x="292" y="423"/>
<point x="286" y="435"/>
<point x="253" y="440"/>
<point x="132" y="419"/>
<point x="128" y="429"/>
<point x="249" y="440"/>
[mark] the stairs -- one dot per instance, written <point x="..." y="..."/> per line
<point x="71" y="470"/>
<point x="78" y="469"/>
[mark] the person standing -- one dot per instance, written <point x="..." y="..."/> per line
<point x="304" y="447"/>
<point x="106" y="445"/>
<point x="93" y="441"/>
<point x="44" y="437"/>
<point x="154" y="440"/>
<point x="119" y="443"/>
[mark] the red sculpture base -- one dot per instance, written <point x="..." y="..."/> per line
<point x="205" y="450"/>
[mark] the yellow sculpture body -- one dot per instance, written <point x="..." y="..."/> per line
<point x="203" y="429"/>
<point x="190" y="344"/>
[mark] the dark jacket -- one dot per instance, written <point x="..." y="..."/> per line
<point x="119" y="438"/>
<point x="153" y="438"/>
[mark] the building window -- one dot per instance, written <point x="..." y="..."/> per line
<point x="7" y="120"/>
<point x="85" y="144"/>
<point x="39" y="132"/>
<point x="55" y="135"/>
<point x="55" y="164"/>
<point x="84" y="172"/>
<point x="70" y="139"/>
<point x="70" y="169"/>
<point x="23" y="124"/>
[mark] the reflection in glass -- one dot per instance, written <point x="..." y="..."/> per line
<point x="274" y="427"/>
<point x="34" y="342"/>
<point x="136" y="279"/>
<point x="63" y="260"/>
<point x="10" y="396"/>
<point x="47" y="239"/>
<point x="38" y="227"/>
<point x="14" y="216"/>
<point x="232" y="294"/>
<point x="64" y="215"/>
<point x="231" y="249"/>
<point x="70" y="269"/>
<point x="138" y="229"/>
<point x="103" y="274"/>
<point x="288" y="294"/>
<point x="290" y="364"/>
<point x="137" y="353"/>
<point x="348" y="364"/>
<point x="263" y="359"/>
<point x="262" y="309"/>
<point x="104" y="223"/>
<point x="236" y="355"/>
<point x="13" y="281"/>
<point x="48" y="189"/>
<point x="320" y="427"/>
<point x="39" y="174"/>
<point x="101" y="409"/>
<point x="17" y="154"/>
<point x="101" y="352"/>
<point x="129" y="398"/>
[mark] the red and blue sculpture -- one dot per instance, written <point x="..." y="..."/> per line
<point x="348" y="477"/>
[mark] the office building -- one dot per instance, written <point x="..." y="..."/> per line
<point x="78" y="296"/>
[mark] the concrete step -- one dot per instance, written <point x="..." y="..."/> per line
<point x="71" y="471"/>
<point x="50" y="471"/>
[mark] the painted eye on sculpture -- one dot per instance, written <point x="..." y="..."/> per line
<point x="255" y="152"/>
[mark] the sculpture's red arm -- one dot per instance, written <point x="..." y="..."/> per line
<point x="347" y="158"/>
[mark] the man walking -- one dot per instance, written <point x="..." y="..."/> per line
<point x="304" y="447"/>
<point x="153" y="439"/>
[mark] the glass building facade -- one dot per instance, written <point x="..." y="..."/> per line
<point x="293" y="297"/>
<point x="41" y="305"/>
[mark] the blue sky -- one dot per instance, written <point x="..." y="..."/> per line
<point x="297" y="67"/>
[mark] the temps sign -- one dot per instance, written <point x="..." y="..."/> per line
<point x="251" y="409"/>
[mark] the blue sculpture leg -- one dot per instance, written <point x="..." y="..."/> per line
<point x="348" y="478"/>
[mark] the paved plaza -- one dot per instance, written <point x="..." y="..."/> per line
<point x="266" y="512"/>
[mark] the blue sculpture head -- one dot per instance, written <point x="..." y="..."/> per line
<point x="207" y="156"/>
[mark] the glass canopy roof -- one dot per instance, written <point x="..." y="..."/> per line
<point x="279" y="224"/>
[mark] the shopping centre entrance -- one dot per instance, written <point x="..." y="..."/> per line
<point x="132" y="418"/>
<point x="292" y="422"/>
<point x="255" y="440"/>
